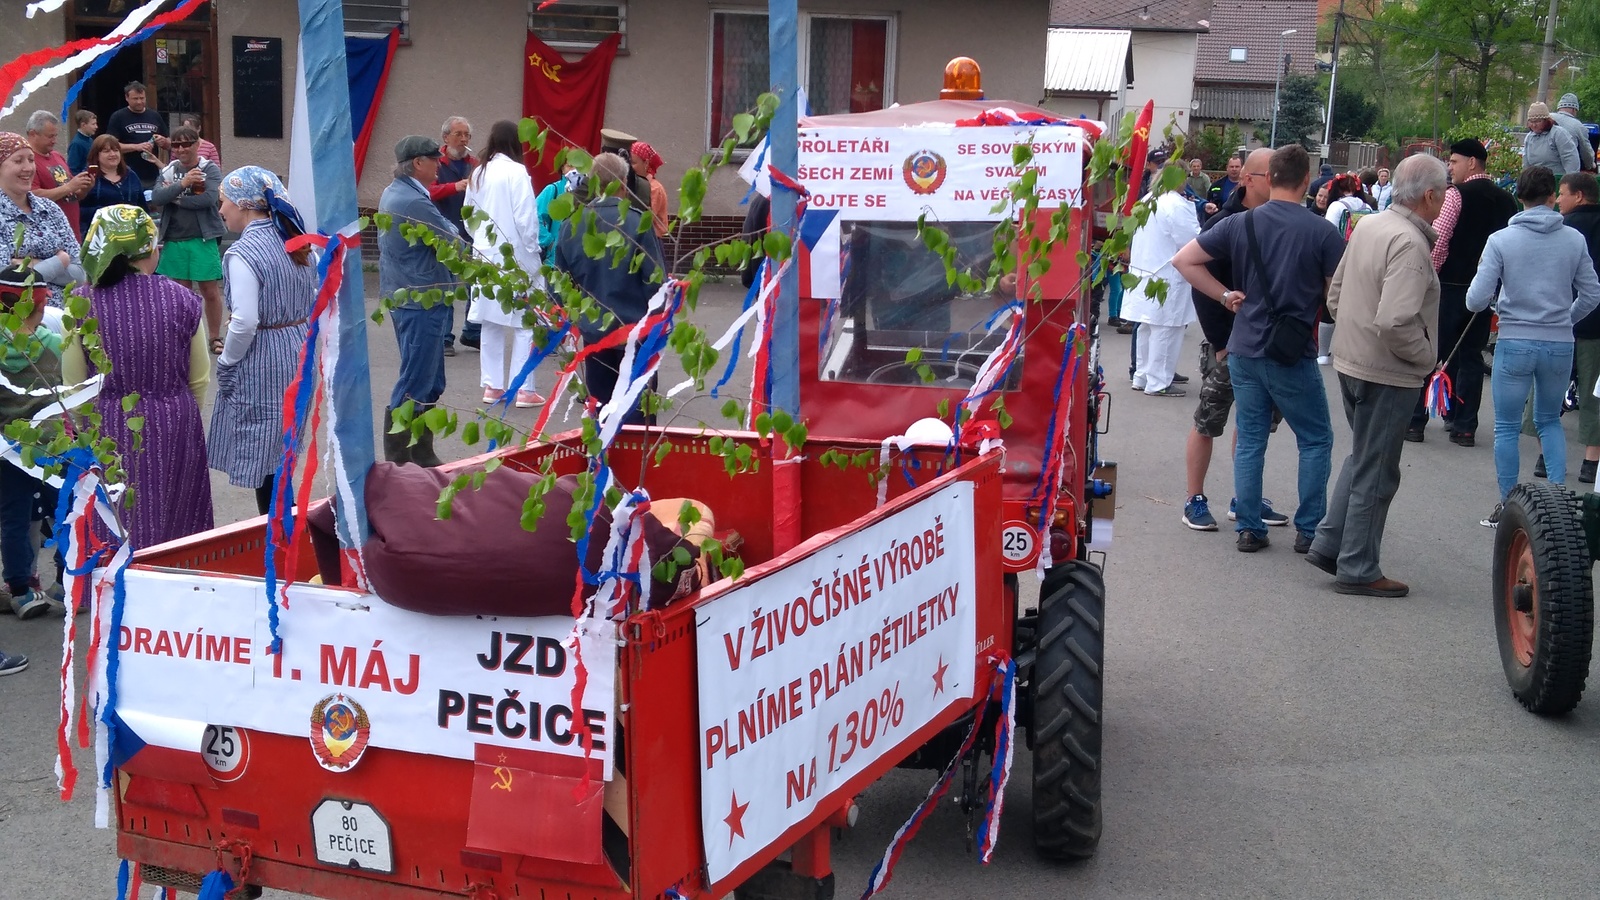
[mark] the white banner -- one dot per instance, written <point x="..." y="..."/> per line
<point x="954" y="173"/>
<point x="809" y="675"/>
<point x="194" y="647"/>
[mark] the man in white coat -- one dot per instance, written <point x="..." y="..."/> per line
<point x="1162" y="323"/>
<point x="502" y="193"/>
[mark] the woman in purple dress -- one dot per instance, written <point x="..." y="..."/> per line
<point x="150" y="329"/>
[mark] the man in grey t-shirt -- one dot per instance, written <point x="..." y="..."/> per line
<point x="1298" y="252"/>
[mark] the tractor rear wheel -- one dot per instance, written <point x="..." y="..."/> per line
<point x="1543" y="597"/>
<point x="1066" y="697"/>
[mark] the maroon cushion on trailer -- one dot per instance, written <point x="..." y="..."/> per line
<point x="481" y="561"/>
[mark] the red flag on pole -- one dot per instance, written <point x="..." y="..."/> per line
<point x="1138" y="149"/>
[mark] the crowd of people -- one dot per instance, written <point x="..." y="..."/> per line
<point x="135" y="221"/>
<point x="1391" y="277"/>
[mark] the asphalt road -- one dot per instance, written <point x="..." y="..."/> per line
<point x="1265" y="737"/>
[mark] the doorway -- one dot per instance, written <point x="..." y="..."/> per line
<point x="178" y="66"/>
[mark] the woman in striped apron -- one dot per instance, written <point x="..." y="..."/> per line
<point x="269" y="293"/>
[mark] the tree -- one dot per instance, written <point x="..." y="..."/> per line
<point x="1300" y="112"/>
<point x="1354" y="115"/>
<point x="1493" y="43"/>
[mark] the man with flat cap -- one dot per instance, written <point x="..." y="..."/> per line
<point x="1566" y="116"/>
<point x="1474" y="208"/>
<point x="403" y="266"/>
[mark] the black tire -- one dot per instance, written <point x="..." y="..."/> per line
<point x="1542" y="565"/>
<point x="1066" y="696"/>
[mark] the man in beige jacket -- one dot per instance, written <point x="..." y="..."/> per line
<point x="1385" y="299"/>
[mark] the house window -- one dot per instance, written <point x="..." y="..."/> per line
<point x="376" y="18"/>
<point x="846" y="64"/>
<point x="579" y="26"/>
<point x="1238" y="54"/>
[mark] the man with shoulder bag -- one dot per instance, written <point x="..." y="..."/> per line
<point x="1283" y="257"/>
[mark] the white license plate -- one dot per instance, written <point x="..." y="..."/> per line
<point x="352" y="835"/>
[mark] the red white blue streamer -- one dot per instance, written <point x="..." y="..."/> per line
<point x="883" y="872"/>
<point x="184" y="10"/>
<point x="1005" y="730"/>
<point x="626" y="559"/>
<point x="302" y="404"/>
<point x="997" y="366"/>
<point x="1439" y="393"/>
<point x="77" y="54"/>
<point x="1053" y="462"/>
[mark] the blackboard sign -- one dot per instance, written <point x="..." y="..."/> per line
<point x="258" y="87"/>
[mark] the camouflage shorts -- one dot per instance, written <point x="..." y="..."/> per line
<point x="1216" y="395"/>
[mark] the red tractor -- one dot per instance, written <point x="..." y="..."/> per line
<point x="697" y="742"/>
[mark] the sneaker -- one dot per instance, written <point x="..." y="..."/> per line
<point x="1331" y="566"/>
<point x="493" y="395"/>
<point x="1250" y="542"/>
<point x="1586" y="471"/>
<point x="1180" y="379"/>
<point x="1539" y="471"/>
<point x="1414" y="435"/>
<point x="449" y="349"/>
<point x="1383" y="587"/>
<point x="1324" y="360"/>
<point x="1168" y="391"/>
<point x="29" y="605"/>
<point x="1138" y="387"/>
<point x="529" y="399"/>
<point x="1197" y="514"/>
<point x="12" y="663"/>
<point x="1493" y="519"/>
<point x="1463" y="439"/>
<point x="1302" y="542"/>
<point x="1269" y="516"/>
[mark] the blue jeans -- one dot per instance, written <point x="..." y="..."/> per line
<point x="1520" y="366"/>
<point x="420" y="334"/>
<point x="1259" y="384"/>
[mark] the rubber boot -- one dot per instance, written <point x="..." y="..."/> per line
<point x="422" y="451"/>
<point x="396" y="447"/>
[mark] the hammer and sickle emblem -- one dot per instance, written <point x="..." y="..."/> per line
<point x="504" y="784"/>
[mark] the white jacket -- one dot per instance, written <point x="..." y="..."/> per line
<point x="1169" y="228"/>
<point x="502" y="190"/>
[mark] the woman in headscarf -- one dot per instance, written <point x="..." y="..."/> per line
<point x="49" y="245"/>
<point x="269" y="293"/>
<point x="501" y="192"/>
<point x="151" y="329"/>
<point x="646" y="162"/>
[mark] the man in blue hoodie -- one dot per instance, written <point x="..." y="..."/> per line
<point x="1537" y="265"/>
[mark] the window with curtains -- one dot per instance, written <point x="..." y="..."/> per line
<point x="579" y="26"/>
<point x="376" y="18"/>
<point x="845" y="64"/>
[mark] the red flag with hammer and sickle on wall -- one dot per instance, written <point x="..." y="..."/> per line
<point x="1138" y="149"/>
<point x="567" y="95"/>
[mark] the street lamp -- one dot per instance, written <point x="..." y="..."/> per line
<point x="1278" y="84"/>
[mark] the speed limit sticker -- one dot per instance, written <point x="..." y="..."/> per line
<point x="1019" y="543"/>
<point x="226" y="751"/>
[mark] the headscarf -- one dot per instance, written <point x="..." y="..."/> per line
<point x="10" y="142"/>
<point x="118" y="230"/>
<point x="652" y="159"/>
<point x="253" y="187"/>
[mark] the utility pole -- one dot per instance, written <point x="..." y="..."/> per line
<point x="1333" y="77"/>
<point x="1277" y="87"/>
<point x="1547" y="59"/>
<point x="1436" y="98"/>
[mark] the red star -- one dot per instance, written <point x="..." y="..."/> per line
<point x="938" y="676"/>
<point x="735" y="818"/>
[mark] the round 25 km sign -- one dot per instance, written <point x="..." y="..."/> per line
<point x="1019" y="545"/>
<point x="226" y="751"/>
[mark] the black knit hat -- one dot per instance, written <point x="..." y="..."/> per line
<point x="1470" y="147"/>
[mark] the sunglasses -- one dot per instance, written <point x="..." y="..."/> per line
<point x="179" y="145"/>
